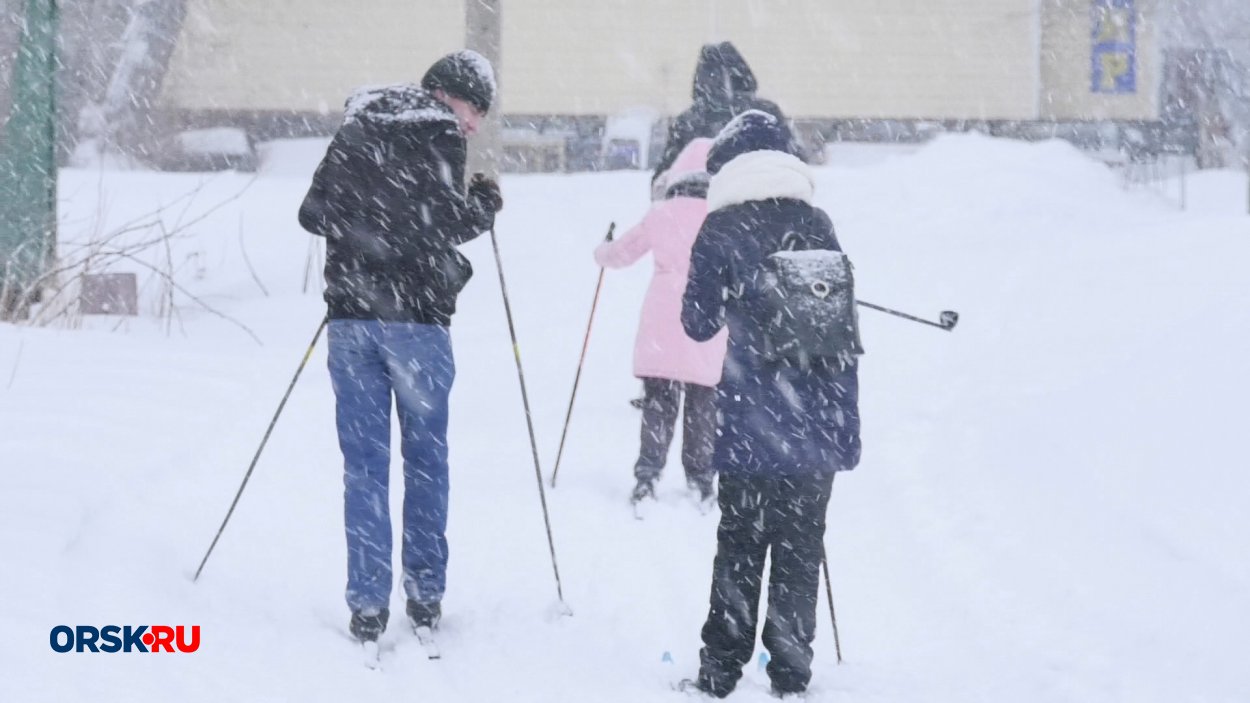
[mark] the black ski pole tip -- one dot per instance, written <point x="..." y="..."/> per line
<point x="948" y="319"/>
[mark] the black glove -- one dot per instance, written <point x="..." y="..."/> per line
<point x="485" y="192"/>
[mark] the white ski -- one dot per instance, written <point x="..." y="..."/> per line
<point x="688" y="687"/>
<point x="425" y="635"/>
<point x="641" y="510"/>
<point x="372" y="655"/>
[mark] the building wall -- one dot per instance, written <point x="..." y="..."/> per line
<point x="886" y="58"/>
<point x="895" y="58"/>
<point x="953" y="59"/>
<point x="304" y="55"/>
<point x="1067" y="64"/>
<point x="568" y="57"/>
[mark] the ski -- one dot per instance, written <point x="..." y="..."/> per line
<point x="642" y="508"/>
<point x="688" y="687"/>
<point x="371" y="655"/>
<point x="425" y="635"/>
<point x="639" y="508"/>
<point x="370" y="651"/>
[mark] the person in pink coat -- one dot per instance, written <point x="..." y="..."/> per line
<point x="669" y="362"/>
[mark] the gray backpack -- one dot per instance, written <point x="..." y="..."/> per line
<point x="807" y="303"/>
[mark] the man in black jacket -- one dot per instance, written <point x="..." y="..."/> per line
<point x="389" y="198"/>
<point x="724" y="87"/>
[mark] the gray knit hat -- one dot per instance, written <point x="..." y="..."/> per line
<point x="463" y="74"/>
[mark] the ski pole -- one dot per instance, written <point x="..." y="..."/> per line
<point x="824" y="564"/>
<point x="946" y="320"/>
<point x="529" y="421"/>
<point x="303" y="362"/>
<point x="837" y="643"/>
<point x="578" y="376"/>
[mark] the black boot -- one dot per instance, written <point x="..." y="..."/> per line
<point x="424" y="614"/>
<point x="644" y="489"/>
<point x="367" y="627"/>
<point x="711" y="685"/>
<point x="692" y="687"/>
<point x="788" y="695"/>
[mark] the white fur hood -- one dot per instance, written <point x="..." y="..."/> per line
<point x="760" y="175"/>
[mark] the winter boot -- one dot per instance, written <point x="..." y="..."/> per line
<point x="424" y="614"/>
<point x="703" y="687"/>
<point x="690" y="687"/>
<point x="367" y="626"/>
<point x="787" y="695"/>
<point x="644" y="489"/>
<point x="704" y="487"/>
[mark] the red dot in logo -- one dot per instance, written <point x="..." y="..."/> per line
<point x="148" y="638"/>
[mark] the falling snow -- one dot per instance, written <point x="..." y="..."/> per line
<point x="1050" y="501"/>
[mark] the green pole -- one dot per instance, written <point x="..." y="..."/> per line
<point x="28" y="163"/>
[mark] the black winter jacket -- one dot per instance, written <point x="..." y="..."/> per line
<point x="776" y="418"/>
<point x="389" y="198"/>
<point x="724" y="87"/>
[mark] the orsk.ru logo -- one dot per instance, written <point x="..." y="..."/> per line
<point x="111" y="639"/>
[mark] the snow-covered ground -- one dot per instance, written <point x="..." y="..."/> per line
<point x="1051" y="504"/>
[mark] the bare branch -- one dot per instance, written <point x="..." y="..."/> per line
<point x="194" y="298"/>
<point x="246" y="260"/>
<point x="128" y="243"/>
<point x="16" y="361"/>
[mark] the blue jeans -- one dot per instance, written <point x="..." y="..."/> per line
<point x="371" y="361"/>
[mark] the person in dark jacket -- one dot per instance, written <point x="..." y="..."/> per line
<point x="389" y="198"/>
<point x="785" y="428"/>
<point x="724" y="87"/>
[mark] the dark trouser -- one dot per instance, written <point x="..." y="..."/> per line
<point x="661" y="401"/>
<point x="788" y="516"/>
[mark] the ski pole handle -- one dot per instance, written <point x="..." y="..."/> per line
<point x="946" y="321"/>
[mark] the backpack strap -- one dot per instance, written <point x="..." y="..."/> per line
<point x="805" y="235"/>
<point x="736" y="286"/>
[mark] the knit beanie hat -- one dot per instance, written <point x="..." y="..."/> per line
<point x="463" y="74"/>
<point x="753" y="130"/>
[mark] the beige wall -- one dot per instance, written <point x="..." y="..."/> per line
<point x="818" y="58"/>
<point x="568" y="57"/>
<point x="305" y="55"/>
<point x="894" y="58"/>
<point x="1066" y="65"/>
<point x="830" y="58"/>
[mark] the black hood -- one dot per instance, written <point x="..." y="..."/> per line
<point x="722" y="74"/>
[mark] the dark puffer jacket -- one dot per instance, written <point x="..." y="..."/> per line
<point x="389" y="198"/>
<point x="775" y="418"/>
<point x="724" y="87"/>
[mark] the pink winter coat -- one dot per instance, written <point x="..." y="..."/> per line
<point x="662" y="349"/>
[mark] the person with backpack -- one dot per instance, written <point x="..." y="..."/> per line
<point x="767" y="265"/>
<point x="669" y="363"/>
<point x="724" y="86"/>
<point x="390" y="199"/>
